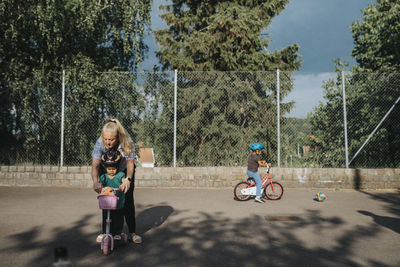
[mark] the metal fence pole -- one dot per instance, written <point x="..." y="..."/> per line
<point x="175" y="111"/>
<point x="278" y="117"/>
<point x="345" y="122"/>
<point x="62" y="119"/>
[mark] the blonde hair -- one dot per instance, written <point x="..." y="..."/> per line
<point x="113" y="125"/>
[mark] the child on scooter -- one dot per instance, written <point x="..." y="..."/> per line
<point x="110" y="161"/>
<point x="252" y="168"/>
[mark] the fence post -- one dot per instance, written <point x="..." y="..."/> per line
<point x="62" y="119"/>
<point x="175" y="111"/>
<point x="345" y="122"/>
<point x="278" y="117"/>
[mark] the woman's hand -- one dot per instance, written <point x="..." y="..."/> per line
<point x="124" y="187"/>
<point x="97" y="187"/>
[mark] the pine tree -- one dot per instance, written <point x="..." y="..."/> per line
<point x="222" y="36"/>
<point x="221" y="113"/>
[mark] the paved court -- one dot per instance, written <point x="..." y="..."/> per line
<point x="205" y="227"/>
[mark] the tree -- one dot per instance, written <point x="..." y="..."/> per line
<point x="41" y="38"/>
<point x="376" y="37"/>
<point x="327" y="147"/>
<point x="219" y="114"/>
<point x="156" y="128"/>
<point x="296" y="134"/>
<point x="369" y="96"/>
<point x="223" y="36"/>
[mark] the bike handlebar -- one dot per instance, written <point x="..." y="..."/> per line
<point x="268" y="167"/>
<point x="113" y="188"/>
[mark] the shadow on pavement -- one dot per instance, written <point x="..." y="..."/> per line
<point x="205" y="240"/>
<point x="152" y="217"/>
<point x="390" y="199"/>
<point x="385" y="221"/>
<point x="73" y="238"/>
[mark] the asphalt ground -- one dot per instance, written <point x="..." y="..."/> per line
<point x="205" y="227"/>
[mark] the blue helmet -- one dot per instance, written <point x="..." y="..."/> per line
<point x="256" y="146"/>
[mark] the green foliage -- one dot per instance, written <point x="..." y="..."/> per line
<point x="369" y="96"/>
<point x="327" y="150"/>
<point x="376" y="37"/>
<point x="221" y="113"/>
<point x="295" y="133"/>
<point x="222" y="35"/>
<point x="156" y="128"/>
<point x="41" y="38"/>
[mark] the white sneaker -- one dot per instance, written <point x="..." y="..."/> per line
<point x="259" y="200"/>
<point x="99" y="238"/>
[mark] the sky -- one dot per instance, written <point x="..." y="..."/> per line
<point x="319" y="27"/>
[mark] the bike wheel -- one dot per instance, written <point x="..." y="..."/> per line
<point x="273" y="191"/>
<point x="237" y="191"/>
<point x="106" y="245"/>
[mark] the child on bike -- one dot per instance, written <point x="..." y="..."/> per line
<point x="252" y="168"/>
<point x="110" y="161"/>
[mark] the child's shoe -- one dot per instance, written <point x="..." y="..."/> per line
<point x="259" y="200"/>
<point x="99" y="238"/>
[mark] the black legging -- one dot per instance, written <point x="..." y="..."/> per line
<point x="129" y="209"/>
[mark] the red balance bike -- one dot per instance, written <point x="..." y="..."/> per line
<point x="247" y="188"/>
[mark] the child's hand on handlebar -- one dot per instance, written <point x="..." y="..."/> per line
<point x="262" y="163"/>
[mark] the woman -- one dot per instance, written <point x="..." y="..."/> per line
<point x="114" y="136"/>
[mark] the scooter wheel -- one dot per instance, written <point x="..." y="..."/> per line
<point x="106" y="245"/>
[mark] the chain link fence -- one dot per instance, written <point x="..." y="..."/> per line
<point x="372" y="116"/>
<point x="374" y="124"/>
<point x="31" y="120"/>
<point x="217" y="116"/>
<point x="220" y="113"/>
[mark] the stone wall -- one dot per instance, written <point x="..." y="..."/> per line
<point x="206" y="177"/>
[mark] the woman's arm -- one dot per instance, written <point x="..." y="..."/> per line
<point x="130" y="164"/>
<point x="96" y="163"/>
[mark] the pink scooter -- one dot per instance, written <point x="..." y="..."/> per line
<point x="109" y="202"/>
